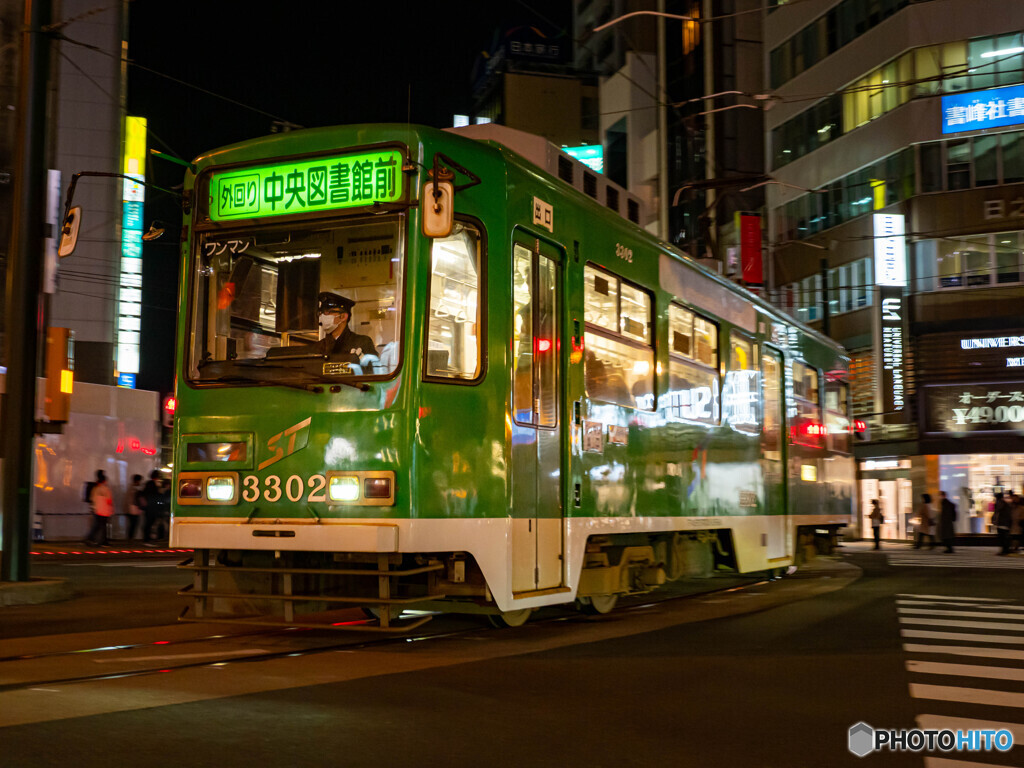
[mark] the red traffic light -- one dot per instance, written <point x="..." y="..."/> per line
<point x="170" y="406"/>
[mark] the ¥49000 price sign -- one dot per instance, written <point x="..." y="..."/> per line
<point x="323" y="184"/>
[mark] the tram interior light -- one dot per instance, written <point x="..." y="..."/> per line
<point x="344" y="488"/>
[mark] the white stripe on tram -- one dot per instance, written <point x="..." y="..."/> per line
<point x="989" y="606"/>
<point x="967" y="695"/>
<point x="965" y="624"/>
<point x="974" y="614"/>
<point x="965" y="670"/>
<point x="925" y="634"/>
<point x="965" y="650"/>
<point x="941" y="722"/>
<point x="951" y="597"/>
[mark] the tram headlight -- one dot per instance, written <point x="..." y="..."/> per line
<point x="220" y="488"/>
<point x="377" y="488"/>
<point x="344" y="488"/>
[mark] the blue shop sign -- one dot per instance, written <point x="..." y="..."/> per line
<point x="973" y="111"/>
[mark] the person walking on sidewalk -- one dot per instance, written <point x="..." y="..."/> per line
<point x="134" y="504"/>
<point x="924" y="523"/>
<point x="101" y="504"/>
<point x="1002" y="519"/>
<point x="1017" y="523"/>
<point x="947" y="521"/>
<point x="876" y="522"/>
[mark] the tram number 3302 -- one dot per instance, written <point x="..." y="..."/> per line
<point x="292" y="488"/>
<point x="624" y="253"/>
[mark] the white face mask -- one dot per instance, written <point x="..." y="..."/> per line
<point x="329" y="322"/>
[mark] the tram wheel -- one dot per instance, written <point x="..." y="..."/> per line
<point x="509" y="618"/>
<point x="375" y="611"/>
<point x="597" y="605"/>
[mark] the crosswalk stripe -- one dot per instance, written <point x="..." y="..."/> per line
<point x="976" y="564"/>
<point x="945" y="762"/>
<point x="978" y="614"/>
<point x="988" y="606"/>
<point x="965" y="650"/>
<point x="925" y="634"/>
<point x="967" y="695"/>
<point x="953" y="597"/>
<point x="941" y="722"/>
<point x="965" y="624"/>
<point x="965" y="670"/>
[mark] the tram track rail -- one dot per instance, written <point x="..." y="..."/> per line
<point x="300" y="642"/>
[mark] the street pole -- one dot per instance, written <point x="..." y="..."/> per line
<point x="23" y="314"/>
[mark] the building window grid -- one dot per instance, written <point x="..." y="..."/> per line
<point x="923" y="169"/>
<point x="920" y="72"/>
<point x="850" y="289"/>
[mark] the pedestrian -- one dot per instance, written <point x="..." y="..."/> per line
<point x="1017" y="523"/>
<point x="924" y="523"/>
<point x="134" y="504"/>
<point x="876" y="522"/>
<point x="151" y="496"/>
<point x="947" y="521"/>
<point x="101" y="504"/>
<point x="1002" y="519"/>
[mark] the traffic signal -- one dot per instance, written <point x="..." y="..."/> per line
<point x="170" y="406"/>
<point x="59" y="374"/>
<point x="862" y="430"/>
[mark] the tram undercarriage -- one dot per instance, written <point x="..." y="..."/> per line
<point x="306" y="589"/>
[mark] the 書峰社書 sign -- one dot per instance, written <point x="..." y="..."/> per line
<point x="304" y="186"/>
<point x="973" y="111"/>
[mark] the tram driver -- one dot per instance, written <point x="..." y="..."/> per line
<point x="339" y="341"/>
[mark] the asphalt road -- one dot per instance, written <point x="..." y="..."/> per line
<point x="752" y="677"/>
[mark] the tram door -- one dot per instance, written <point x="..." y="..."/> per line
<point x="773" y="453"/>
<point x="536" y="411"/>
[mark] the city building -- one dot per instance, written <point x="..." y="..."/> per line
<point x="895" y="146"/>
<point x="681" y="116"/>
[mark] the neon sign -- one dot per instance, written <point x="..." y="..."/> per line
<point x="305" y="186"/>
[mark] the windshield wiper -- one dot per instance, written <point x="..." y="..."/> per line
<point x="252" y="379"/>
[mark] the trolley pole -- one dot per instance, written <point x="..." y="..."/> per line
<point x="23" y="317"/>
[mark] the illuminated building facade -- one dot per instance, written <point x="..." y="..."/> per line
<point x="897" y="137"/>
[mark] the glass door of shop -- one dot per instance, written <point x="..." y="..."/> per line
<point x="896" y="498"/>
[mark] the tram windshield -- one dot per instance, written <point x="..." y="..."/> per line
<point x="297" y="303"/>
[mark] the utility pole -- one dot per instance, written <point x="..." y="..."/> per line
<point x="22" y="312"/>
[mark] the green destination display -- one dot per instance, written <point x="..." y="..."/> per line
<point x="323" y="184"/>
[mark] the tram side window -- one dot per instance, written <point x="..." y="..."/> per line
<point x="837" y="415"/>
<point x="740" y="391"/>
<point x="619" y="357"/>
<point x="808" y="428"/>
<point x="453" y="343"/>
<point x="693" y="393"/>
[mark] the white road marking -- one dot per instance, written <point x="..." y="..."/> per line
<point x="967" y="695"/>
<point x="984" y="606"/>
<point x="953" y="597"/>
<point x="965" y="650"/>
<point x="945" y="762"/>
<point x="941" y="722"/>
<point x="925" y="634"/>
<point x="975" y="614"/>
<point x="965" y="670"/>
<point x="965" y="624"/>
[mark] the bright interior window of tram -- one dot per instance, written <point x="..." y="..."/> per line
<point x="256" y="298"/>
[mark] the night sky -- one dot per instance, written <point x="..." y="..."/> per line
<point x="306" y="62"/>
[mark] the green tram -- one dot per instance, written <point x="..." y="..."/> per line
<point x="531" y="400"/>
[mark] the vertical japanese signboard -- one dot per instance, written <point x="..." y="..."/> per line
<point x="129" y="312"/>
<point x="891" y="279"/>
<point x="750" y="248"/>
<point x="307" y="186"/>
